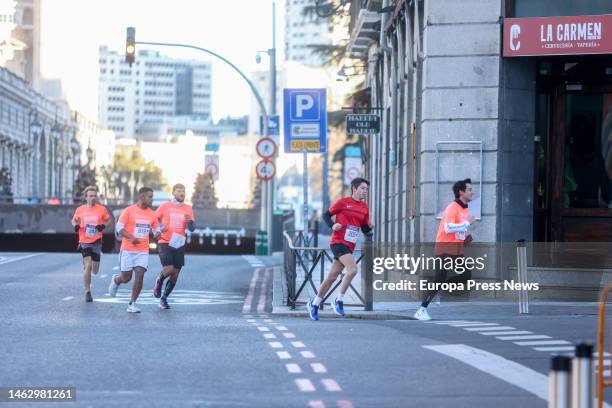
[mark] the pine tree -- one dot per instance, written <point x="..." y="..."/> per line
<point x="204" y="195"/>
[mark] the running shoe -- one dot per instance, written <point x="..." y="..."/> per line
<point x="163" y="304"/>
<point x="88" y="297"/>
<point x="338" y="307"/>
<point x="157" y="288"/>
<point x="422" y="314"/>
<point x="112" y="288"/>
<point x="132" y="308"/>
<point x="313" y="310"/>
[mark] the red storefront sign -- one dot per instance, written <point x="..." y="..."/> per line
<point x="558" y="35"/>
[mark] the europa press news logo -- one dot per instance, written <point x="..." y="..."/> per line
<point x="515" y="43"/>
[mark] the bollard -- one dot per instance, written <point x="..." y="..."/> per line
<point x="366" y="274"/>
<point x="521" y="267"/>
<point x="559" y="382"/>
<point x="582" y="377"/>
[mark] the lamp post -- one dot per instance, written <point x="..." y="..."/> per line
<point x="36" y="132"/>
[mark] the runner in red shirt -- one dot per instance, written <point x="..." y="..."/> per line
<point x="89" y="221"/>
<point x="346" y="218"/>
<point x="174" y="218"/>
<point x="451" y="237"/>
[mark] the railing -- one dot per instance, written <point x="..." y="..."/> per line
<point x="298" y="256"/>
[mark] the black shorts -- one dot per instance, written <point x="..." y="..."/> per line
<point x="339" y="250"/>
<point x="92" y="250"/>
<point x="170" y="256"/>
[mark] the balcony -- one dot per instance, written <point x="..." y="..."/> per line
<point x="364" y="26"/>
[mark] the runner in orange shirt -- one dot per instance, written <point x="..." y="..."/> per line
<point x="452" y="235"/>
<point x="174" y="216"/>
<point x="89" y="221"/>
<point x="135" y="225"/>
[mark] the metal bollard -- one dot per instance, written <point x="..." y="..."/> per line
<point x="521" y="266"/>
<point x="559" y="382"/>
<point x="582" y="377"/>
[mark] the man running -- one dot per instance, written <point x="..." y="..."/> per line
<point x="89" y="221"/>
<point x="174" y="217"/>
<point x="135" y="224"/>
<point x="451" y="237"/>
<point x="346" y="217"/>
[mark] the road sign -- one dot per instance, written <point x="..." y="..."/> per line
<point x="212" y="147"/>
<point x="305" y="120"/>
<point x="352" y="151"/>
<point x="211" y="165"/>
<point x="362" y="124"/>
<point x="266" y="148"/>
<point x="352" y="169"/>
<point x="265" y="170"/>
<point x="273" y="125"/>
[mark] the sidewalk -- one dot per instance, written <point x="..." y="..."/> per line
<point x="447" y="310"/>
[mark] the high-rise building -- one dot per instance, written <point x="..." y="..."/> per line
<point x="155" y="89"/>
<point x="302" y="31"/>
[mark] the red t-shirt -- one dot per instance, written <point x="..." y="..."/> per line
<point x="89" y="217"/>
<point x="352" y="215"/>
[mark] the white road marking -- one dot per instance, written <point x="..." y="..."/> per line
<point x="541" y="343"/>
<point x="263" y="292"/>
<point x="606" y="354"/>
<point x="558" y="348"/>
<point x="248" y="315"/>
<point x="316" y="404"/>
<point x="345" y="404"/>
<point x="281" y="328"/>
<point x="473" y="324"/>
<point x="304" y="385"/>
<point x="289" y="335"/>
<point x="269" y="335"/>
<point x="68" y="298"/>
<point x="268" y="321"/>
<point x="307" y="354"/>
<point x="318" y="368"/>
<point x="497" y="366"/>
<point x="251" y="320"/>
<point x="503" y="333"/>
<point x="293" y="368"/>
<point x="19" y="258"/>
<point x="249" y="299"/>
<point x="331" y="385"/>
<point x="263" y="328"/>
<point x="115" y="268"/>
<point x="529" y="337"/>
<point x="489" y="328"/>
<point x="445" y="321"/>
<point x="276" y="344"/>
<point x="298" y="344"/>
<point x="283" y="355"/>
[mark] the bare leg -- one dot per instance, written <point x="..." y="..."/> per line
<point x="137" y="287"/>
<point x="351" y="270"/>
<point x="87" y="273"/>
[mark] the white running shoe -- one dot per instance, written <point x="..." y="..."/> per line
<point x="132" y="308"/>
<point x="112" y="288"/>
<point x="422" y="314"/>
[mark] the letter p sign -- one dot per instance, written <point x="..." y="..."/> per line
<point x="303" y="103"/>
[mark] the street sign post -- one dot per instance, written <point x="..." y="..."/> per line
<point x="273" y="125"/>
<point x="266" y="148"/>
<point x="212" y="147"/>
<point x="211" y="165"/>
<point x="265" y="169"/>
<point x="362" y="124"/>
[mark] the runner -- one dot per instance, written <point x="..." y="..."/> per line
<point x="346" y="217"/>
<point x="174" y="217"/>
<point x="89" y="221"/>
<point x="135" y="224"/>
<point x="451" y="237"/>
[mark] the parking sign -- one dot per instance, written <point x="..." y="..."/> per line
<point x="305" y="120"/>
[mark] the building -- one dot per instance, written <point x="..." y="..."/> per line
<point x="173" y="127"/>
<point x="504" y="92"/>
<point x="302" y="31"/>
<point x="153" y="89"/>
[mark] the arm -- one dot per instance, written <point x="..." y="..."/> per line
<point x="76" y="221"/>
<point x="450" y="227"/>
<point x="327" y="217"/>
<point x="190" y="221"/>
<point x="120" y="227"/>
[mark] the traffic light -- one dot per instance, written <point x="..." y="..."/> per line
<point x="130" y="45"/>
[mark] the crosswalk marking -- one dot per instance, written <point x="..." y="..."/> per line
<point x="555" y="349"/>
<point x="304" y="385"/>
<point x="488" y="328"/>
<point x="530" y="337"/>
<point x="505" y="333"/>
<point x="541" y="343"/>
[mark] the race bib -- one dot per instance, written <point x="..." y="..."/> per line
<point x="351" y="233"/>
<point x="460" y="235"/>
<point x="176" y="220"/>
<point x="142" y="229"/>
<point x="176" y="240"/>
<point x="91" y="231"/>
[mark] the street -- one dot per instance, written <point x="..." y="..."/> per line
<point x="219" y="345"/>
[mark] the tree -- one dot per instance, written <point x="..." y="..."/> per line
<point x="204" y="195"/>
<point x="255" y="200"/>
<point x="130" y="171"/>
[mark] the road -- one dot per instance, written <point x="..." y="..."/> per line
<point x="219" y="345"/>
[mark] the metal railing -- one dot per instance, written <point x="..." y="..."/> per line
<point x="308" y="259"/>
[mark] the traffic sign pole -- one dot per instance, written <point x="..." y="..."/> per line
<point x="305" y="187"/>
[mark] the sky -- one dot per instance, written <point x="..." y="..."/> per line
<point x="73" y="30"/>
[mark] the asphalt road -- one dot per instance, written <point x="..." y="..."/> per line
<point x="219" y="346"/>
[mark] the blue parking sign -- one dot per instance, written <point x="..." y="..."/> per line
<point x="305" y="120"/>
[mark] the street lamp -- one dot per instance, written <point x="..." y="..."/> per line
<point x="56" y="132"/>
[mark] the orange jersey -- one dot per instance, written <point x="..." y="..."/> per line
<point x="172" y="217"/>
<point x="452" y="230"/>
<point x="89" y="217"/>
<point x="139" y="223"/>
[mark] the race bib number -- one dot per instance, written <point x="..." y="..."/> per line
<point x="91" y="231"/>
<point x="460" y="235"/>
<point x="142" y="230"/>
<point x="176" y="240"/>
<point x="351" y="233"/>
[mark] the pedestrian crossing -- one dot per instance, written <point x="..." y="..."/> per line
<point x="254" y="261"/>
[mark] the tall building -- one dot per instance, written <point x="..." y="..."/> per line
<point x="302" y="30"/>
<point x="153" y="89"/>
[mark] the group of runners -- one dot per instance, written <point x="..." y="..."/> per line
<point x="136" y="225"/>
<point x="347" y="217"/>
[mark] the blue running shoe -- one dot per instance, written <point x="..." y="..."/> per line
<point x="163" y="304"/>
<point x="313" y="310"/>
<point x="338" y="307"/>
